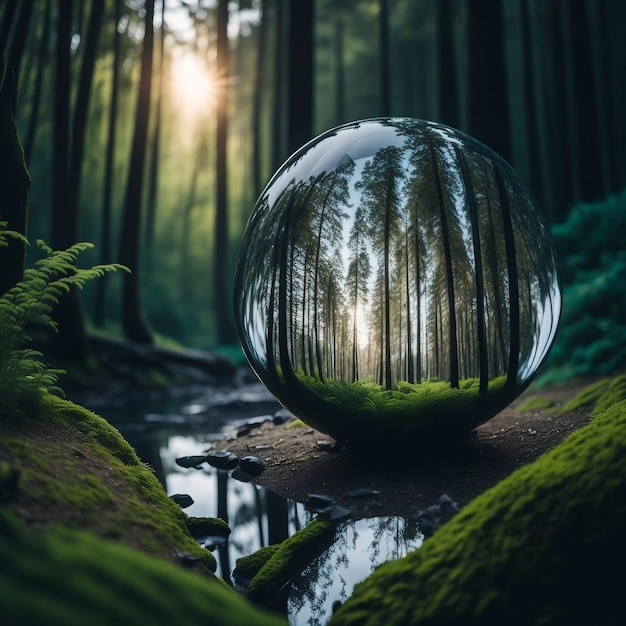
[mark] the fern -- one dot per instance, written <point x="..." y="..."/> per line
<point x="24" y="377"/>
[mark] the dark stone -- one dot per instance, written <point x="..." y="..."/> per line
<point x="183" y="500"/>
<point x="244" y="430"/>
<point x="191" y="461"/>
<point x="364" y="492"/>
<point x="222" y="459"/>
<point x="252" y="465"/>
<point x="241" y="475"/>
<point x="336" y="513"/>
<point x="319" y="503"/>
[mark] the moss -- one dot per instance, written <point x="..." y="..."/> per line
<point x="64" y="455"/>
<point x="598" y="396"/>
<point x="541" y="547"/>
<point x="544" y="404"/>
<point x="291" y="557"/>
<point x="205" y="526"/>
<point x="74" y="578"/>
<point x="297" y="423"/>
<point x="247" y="567"/>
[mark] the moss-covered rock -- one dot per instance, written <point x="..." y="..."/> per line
<point x="71" y="578"/>
<point x="290" y="558"/>
<point x="598" y="396"/>
<point x="247" y="567"/>
<point x="77" y="471"/>
<point x="543" y="547"/>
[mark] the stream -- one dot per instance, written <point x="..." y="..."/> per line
<point x="163" y="426"/>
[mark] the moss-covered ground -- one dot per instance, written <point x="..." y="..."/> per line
<point x="89" y="536"/>
<point x="543" y="547"/>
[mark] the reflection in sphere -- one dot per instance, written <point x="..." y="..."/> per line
<point x="396" y="280"/>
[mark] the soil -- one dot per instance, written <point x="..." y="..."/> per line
<point x="301" y="461"/>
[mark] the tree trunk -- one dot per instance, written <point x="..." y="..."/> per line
<point x="278" y="154"/>
<point x="385" y="58"/>
<point x="300" y="75"/>
<point x="221" y="262"/>
<point x="14" y="186"/>
<point x="259" y="84"/>
<point x="488" y="111"/>
<point x="18" y="39"/>
<point x="153" y="178"/>
<point x="107" y="191"/>
<point x="42" y="57"/>
<point x="133" y="322"/>
<point x="446" y="65"/>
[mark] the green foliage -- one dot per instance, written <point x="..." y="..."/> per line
<point x="540" y="548"/>
<point x="598" y="396"/>
<point x="291" y="557"/>
<point x="426" y="412"/>
<point x="592" y="335"/>
<point x="74" y="578"/>
<point x="23" y="376"/>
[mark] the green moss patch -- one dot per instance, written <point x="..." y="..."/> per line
<point x="544" y="404"/>
<point x="290" y="558"/>
<point x="598" y="396"/>
<point x="541" y="547"/>
<point x="247" y="567"/>
<point x="72" y="578"/>
<point x="76" y="470"/>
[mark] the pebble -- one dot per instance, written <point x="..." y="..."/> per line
<point x="222" y="459"/>
<point x="191" y="461"/>
<point x="183" y="500"/>
<point x="241" y="475"/>
<point x="319" y="503"/>
<point x="252" y="465"/>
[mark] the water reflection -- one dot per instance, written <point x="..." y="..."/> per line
<point x="386" y="258"/>
<point x="358" y="549"/>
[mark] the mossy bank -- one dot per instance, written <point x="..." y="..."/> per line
<point x="540" y="548"/>
<point x="89" y="535"/>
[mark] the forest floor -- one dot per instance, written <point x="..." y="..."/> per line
<point x="300" y="461"/>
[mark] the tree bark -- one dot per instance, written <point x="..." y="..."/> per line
<point x="133" y="321"/>
<point x="14" y="186"/>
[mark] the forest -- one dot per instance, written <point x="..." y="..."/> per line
<point x="151" y="128"/>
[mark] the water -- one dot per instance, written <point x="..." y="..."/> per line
<point x="188" y="421"/>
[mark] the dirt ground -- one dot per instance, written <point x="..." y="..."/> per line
<point x="299" y="463"/>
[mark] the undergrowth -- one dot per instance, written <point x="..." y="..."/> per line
<point x="24" y="377"/>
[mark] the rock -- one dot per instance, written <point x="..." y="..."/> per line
<point x="183" y="500"/>
<point x="191" y="461"/>
<point x="241" y="475"/>
<point x="364" y="492"/>
<point x="318" y="503"/>
<point x="336" y="513"/>
<point x="222" y="459"/>
<point x="252" y="465"/>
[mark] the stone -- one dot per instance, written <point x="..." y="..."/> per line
<point x="222" y="459"/>
<point x="191" y="461"/>
<point x="183" y="500"/>
<point x="252" y="465"/>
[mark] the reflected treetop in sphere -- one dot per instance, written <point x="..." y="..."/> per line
<point x="396" y="281"/>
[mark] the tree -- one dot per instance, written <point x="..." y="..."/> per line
<point x="300" y="74"/>
<point x="14" y="185"/>
<point x="133" y="321"/>
<point x="221" y="266"/>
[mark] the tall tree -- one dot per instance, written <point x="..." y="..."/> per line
<point x="14" y="185"/>
<point x="384" y="52"/>
<point x="300" y="74"/>
<point x="133" y="320"/>
<point x="487" y="105"/>
<point x="109" y="159"/>
<point x="446" y="64"/>
<point x="221" y="265"/>
<point x="259" y="85"/>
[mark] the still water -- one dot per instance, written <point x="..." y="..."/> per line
<point x="189" y="421"/>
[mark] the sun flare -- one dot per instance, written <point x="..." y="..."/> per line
<point x="193" y="88"/>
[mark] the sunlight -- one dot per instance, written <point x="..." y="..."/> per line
<point x="193" y="89"/>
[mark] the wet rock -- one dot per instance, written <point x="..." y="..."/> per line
<point x="183" y="500"/>
<point x="241" y="475"/>
<point x="222" y="459"/>
<point x="252" y="465"/>
<point x="364" y="492"/>
<point x="191" y="461"/>
<point x="318" y="503"/>
<point x="336" y="513"/>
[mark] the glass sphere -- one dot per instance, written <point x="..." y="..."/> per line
<point x="397" y="282"/>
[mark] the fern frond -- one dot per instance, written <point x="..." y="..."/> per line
<point x="24" y="378"/>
